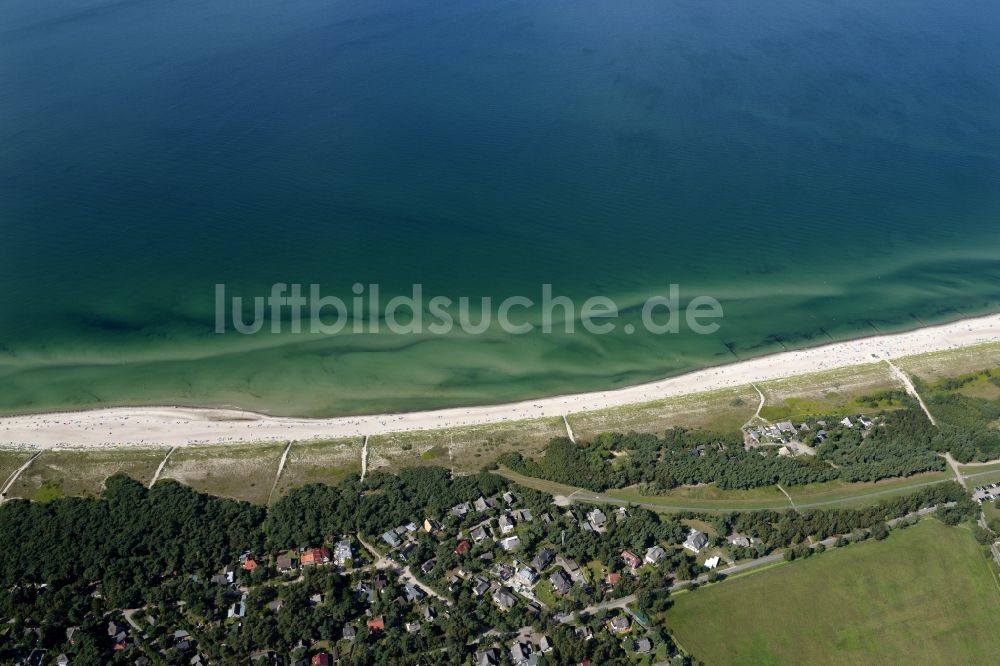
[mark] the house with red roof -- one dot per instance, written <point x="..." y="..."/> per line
<point x="462" y="548"/>
<point x="314" y="556"/>
<point x="631" y="559"/>
<point x="376" y="624"/>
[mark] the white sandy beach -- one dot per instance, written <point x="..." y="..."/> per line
<point x="179" y="426"/>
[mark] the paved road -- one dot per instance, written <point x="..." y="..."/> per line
<point x="384" y="562"/>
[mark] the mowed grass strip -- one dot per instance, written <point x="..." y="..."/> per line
<point x="708" y="497"/>
<point x="57" y="473"/>
<point x="924" y="595"/>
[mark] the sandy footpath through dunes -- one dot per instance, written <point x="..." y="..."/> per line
<point x="180" y="426"/>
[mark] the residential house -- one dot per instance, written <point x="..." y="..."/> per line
<point x="239" y="609"/>
<point x="738" y="540"/>
<point x="321" y="659"/>
<point x="597" y="520"/>
<point x="490" y="657"/>
<point x="431" y="525"/>
<point x="865" y="421"/>
<point x="846" y="422"/>
<point x="560" y="582"/>
<point x="545" y="644"/>
<point x="631" y="559"/>
<point x="412" y="627"/>
<point x="511" y="543"/>
<point x="348" y="633"/>
<point x="521" y="654"/>
<point x="509" y="498"/>
<point x="584" y="633"/>
<point x="428" y="566"/>
<point x="342" y="552"/>
<point x="506" y="524"/>
<point x="462" y="548"/>
<point x="482" y="504"/>
<point x="543" y="559"/>
<point x="696" y="541"/>
<point x="654" y="554"/>
<point x="527" y="577"/>
<point x="612" y="579"/>
<point x="392" y="539"/>
<point x="480" y="585"/>
<point x="523" y="515"/>
<point x="315" y="556"/>
<point x="642" y="646"/>
<point x="285" y="563"/>
<point x="712" y="562"/>
<point x="479" y="534"/>
<point x="504" y="599"/>
<point x="413" y="593"/>
<point x="620" y="624"/>
<point x="376" y="624"/>
<point x="460" y="510"/>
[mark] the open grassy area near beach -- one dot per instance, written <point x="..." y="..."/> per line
<point x="926" y="591"/>
<point x="833" y="391"/>
<point x="934" y="366"/>
<point x="327" y="461"/>
<point x="243" y="472"/>
<point x="466" y="449"/>
<point x="83" y="471"/>
<point x="724" y="410"/>
<point x="11" y="460"/>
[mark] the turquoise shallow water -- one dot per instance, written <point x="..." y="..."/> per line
<point x="824" y="169"/>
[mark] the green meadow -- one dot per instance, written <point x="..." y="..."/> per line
<point x="926" y="591"/>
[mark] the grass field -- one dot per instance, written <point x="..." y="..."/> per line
<point x="320" y="462"/>
<point x="244" y="472"/>
<point x="926" y="592"/>
<point x="466" y="450"/>
<point x="83" y="471"/>
<point x="833" y="391"/>
<point x="724" y="410"/>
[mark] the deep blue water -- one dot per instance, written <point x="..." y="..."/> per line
<point x="825" y="169"/>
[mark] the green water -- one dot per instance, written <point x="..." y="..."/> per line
<point x="825" y="170"/>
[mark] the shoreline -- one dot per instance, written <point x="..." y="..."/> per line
<point x="182" y="426"/>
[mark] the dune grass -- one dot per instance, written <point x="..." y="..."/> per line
<point x="83" y="471"/>
<point x="244" y="472"/>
